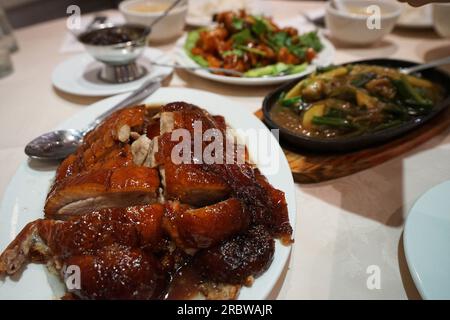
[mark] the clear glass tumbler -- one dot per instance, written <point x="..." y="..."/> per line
<point x="5" y="62"/>
<point x="7" y="38"/>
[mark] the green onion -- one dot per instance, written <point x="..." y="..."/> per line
<point x="235" y="52"/>
<point x="242" y="37"/>
<point x="237" y="23"/>
<point x="291" y="101"/>
<point x="332" y="122"/>
<point x="409" y="94"/>
<point x="387" y="125"/>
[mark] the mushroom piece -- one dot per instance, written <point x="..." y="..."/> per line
<point x="123" y="134"/>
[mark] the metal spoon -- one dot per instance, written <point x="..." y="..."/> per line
<point x="59" y="144"/>
<point x="431" y="64"/>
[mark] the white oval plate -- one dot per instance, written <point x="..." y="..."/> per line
<point x="25" y="195"/>
<point x="78" y="75"/>
<point x="426" y="241"/>
<point x="324" y="58"/>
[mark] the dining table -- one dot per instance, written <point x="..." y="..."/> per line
<point x="346" y="228"/>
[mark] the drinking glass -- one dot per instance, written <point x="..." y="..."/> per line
<point x="6" y="35"/>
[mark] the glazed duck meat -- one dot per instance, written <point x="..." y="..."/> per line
<point x="114" y="249"/>
<point x="136" y="221"/>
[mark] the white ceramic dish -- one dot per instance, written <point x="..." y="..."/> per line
<point x="426" y="241"/>
<point x="25" y="195"/>
<point x="324" y="58"/>
<point x="359" y="29"/>
<point x="78" y="75"/>
<point x="166" y="29"/>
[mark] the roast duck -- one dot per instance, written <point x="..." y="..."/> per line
<point x="139" y="226"/>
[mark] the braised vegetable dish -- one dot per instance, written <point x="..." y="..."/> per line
<point x="253" y="45"/>
<point x="353" y="100"/>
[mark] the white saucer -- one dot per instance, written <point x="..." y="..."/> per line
<point x="78" y="75"/>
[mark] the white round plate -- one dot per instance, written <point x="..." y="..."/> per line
<point x="324" y="58"/>
<point x="426" y="240"/>
<point x="25" y="195"/>
<point x="78" y="75"/>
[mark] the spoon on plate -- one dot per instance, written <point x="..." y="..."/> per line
<point x="431" y="64"/>
<point x="56" y="145"/>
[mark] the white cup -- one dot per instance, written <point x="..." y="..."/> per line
<point x="441" y="19"/>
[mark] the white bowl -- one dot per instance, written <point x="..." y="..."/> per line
<point x="358" y="28"/>
<point x="166" y="29"/>
<point x="441" y="14"/>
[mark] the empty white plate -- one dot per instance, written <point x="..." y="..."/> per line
<point x="78" y="75"/>
<point x="426" y="241"/>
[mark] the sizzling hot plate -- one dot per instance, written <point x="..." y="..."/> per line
<point x="344" y="144"/>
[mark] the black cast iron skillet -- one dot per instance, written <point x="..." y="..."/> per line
<point x="345" y="144"/>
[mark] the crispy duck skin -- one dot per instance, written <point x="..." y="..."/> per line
<point x="187" y="182"/>
<point x="190" y="184"/>
<point x="235" y="260"/>
<point x="94" y="190"/>
<point x="183" y="115"/>
<point x="137" y="226"/>
<point x="48" y="239"/>
<point x="266" y="204"/>
<point x="112" y="247"/>
<point x="204" y="227"/>
<point x="118" y="272"/>
<point x="279" y="223"/>
<point x="102" y="147"/>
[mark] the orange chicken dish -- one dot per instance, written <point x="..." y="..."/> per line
<point x="139" y="226"/>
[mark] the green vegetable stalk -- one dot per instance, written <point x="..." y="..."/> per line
<point x="332" y="122"/>
<point x="275" y="69"/>
<point x="409" y="94"/>
<point x="269" y="70"/>
<point x="191" y="41"/>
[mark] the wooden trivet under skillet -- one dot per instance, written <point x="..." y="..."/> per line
<point x="308" y="167"/>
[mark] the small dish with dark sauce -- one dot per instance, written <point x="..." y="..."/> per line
<point x="114" y="35"/>
<point x="115" y="45"/>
